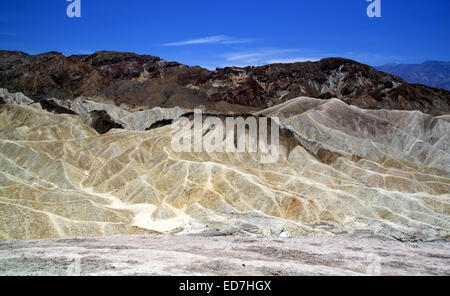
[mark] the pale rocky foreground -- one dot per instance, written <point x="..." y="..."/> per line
<point x="356" y="254"/>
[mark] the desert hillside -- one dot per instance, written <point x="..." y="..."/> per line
<point x="71" y="172"/>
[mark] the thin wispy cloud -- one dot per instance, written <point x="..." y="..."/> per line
<point x="257" y="54"/>
<point x="218" y="39"/>
<point x="292" y="60"/>
<point x="370" y="58"/>
<point x="265" y="56"/>
<point x="85" y="51"/>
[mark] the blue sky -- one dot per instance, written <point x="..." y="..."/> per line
<point x="221" y="33"/>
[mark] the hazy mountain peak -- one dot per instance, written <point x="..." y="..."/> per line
<point x="431" y="73"/>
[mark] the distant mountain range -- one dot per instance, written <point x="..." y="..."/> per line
<point x="431" y="73"/>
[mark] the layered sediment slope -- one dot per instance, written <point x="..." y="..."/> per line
<point x="340" y="169"/>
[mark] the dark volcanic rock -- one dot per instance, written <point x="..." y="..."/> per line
<point x="102" y="122"/>
<point x="51" y="106"/>
<point x="148" y="81"/>
<point x="117" y="65"/>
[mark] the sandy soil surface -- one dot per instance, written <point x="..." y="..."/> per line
<point x="210" y="254"/>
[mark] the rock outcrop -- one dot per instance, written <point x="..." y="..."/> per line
<point x="137" y="120"/>
<point x="147" y="81"/>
